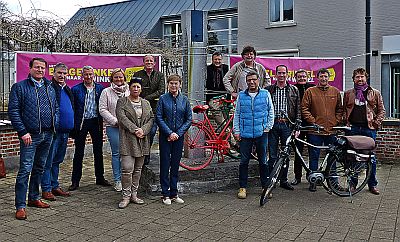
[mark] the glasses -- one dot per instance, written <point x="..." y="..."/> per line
<point x="252" y="79"/>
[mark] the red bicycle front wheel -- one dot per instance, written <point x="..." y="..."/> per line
<point x="200" y="149"/>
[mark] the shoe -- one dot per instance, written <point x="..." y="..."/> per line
<point x="103" y="182"/>
<point x="59" y="192"/>
<point x="73" y="187"/>
<point x="48" y="196"/>
<point x="20" y="214"/>
<point x="124" y="203"/>
<point x="374" y="190"/>
<point x="295" y="182"/>
<point x="177" y="200"/>
<point x="242" y="193"/>
<point x="313" y="187"/>
<point x="166" y="200"/>
<point x="287" y="186"/>
<point x="38" y="204"/>
<point x="118" y="186"/>
<point x="137" y="200"/>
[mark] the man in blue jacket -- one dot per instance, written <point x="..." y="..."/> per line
<point x="87" y="120"/>
<point x="33" y="112"/>
<point x="50" y="185"/>
<point x="254" y="117"/>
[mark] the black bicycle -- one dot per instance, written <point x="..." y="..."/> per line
<point x="345" y="169"/>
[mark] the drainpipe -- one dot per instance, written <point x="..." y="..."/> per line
<point x="368" y="38"/>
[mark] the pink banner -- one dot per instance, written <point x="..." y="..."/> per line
<point x="102" y="65"/>
<point x="311" y="65"/>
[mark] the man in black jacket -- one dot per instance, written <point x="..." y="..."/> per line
<point x="49" y="183"/>
<point x="301" y="77"/>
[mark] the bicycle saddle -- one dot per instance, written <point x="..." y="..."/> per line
<point x="200" y="108"/>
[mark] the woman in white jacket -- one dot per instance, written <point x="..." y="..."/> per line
<point x="107" y="105"/>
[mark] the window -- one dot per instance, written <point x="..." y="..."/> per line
<point x="280" y="11"/>
<point x="222" y="33"/>
<point x="395" y="109"/>
<point x="172" y="34"/>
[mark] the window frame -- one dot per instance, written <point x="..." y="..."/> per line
<point x="281" y="22"/>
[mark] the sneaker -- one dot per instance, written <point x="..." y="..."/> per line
<point x="166" y="200"/>
<point x="242" y="193"/>
<point x="118" y="186"/>
<point x="124" y="203"/>
<point x="177" y="199"/>
<point x="313" y="187"/>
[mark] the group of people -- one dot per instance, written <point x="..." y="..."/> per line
<point x="45" y="113"/>
<point x="262" y="112"/>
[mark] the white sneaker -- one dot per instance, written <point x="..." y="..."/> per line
<point x="118" y="186"/>
<point x="124" y="203"/>
<point x="177" y="199"/>
<point x="166" y="200"/>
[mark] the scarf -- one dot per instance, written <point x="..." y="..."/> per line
<point x="359" y="92"/>
<point x="119" y="90"/>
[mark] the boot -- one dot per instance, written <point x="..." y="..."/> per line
<point x="124" y="203"/>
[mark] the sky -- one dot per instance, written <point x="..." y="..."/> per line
<point x="64" y="9"/>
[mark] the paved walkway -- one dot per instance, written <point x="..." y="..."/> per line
<point x="91" y="214"/>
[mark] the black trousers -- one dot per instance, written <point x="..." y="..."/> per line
<point x="91" y="126"/>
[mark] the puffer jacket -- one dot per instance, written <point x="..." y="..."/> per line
<point x="79" y="91"/>
<point x="375" y="108"/>
<point x="322" y="106"/>
<point x="293" y="100"/>
<point x="24" y="110"/>
<point x="174" y="114"/>
<point x="253" y="116"/>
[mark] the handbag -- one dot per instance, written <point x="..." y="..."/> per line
<point x="2" y="168"/>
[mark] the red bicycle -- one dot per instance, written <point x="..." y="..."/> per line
<point x="204" y="142"/>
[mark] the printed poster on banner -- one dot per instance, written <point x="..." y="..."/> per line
<point x="335" y="67"/>
<point x="102" y="64"/>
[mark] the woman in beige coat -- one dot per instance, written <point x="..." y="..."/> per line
<point x="135" y="119"/>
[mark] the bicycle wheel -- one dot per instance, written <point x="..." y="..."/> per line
<point x="344" y="176"/>
<point x="271" y="182"/>
<point x="234" y="151"/>
<point x="200" y="151"/>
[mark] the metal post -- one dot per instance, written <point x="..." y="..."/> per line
<point x="368" y="38"/>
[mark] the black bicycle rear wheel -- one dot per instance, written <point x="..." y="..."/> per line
<point x="344" y="177"/>
<point x="271" y="182"/>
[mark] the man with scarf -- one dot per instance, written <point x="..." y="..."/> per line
<point x="364" y="112"/>
<point x="321" y="105"/>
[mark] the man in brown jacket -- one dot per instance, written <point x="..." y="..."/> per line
<point x="321" y="105"/>
<point x="364" y="112"/>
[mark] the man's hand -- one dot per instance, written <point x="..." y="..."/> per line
<point x="234" y="94"/>
<point x="297" y="133"/>
<point x="173" y="137"/>
<point x="27" y="139"/>
<point x="237" y="137"/>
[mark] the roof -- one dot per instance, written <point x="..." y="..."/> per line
<point x="140" y="16"/>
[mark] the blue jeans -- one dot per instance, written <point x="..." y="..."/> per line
<point x="278" y="135"/>
<point x="355" y="130"/>
<point x="32" y="161"/>
<point x="170" y="156"/>
<point x="314" y="153"/>
<point x="54" y="159"/>
<point x="113" y="138"/>
<point x="246" y="146"/>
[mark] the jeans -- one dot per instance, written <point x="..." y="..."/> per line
<point x="113" y="138"/>
<point x="315" y="152"/>
<point x="246" y="146"/>
<point x="32" y="162"/>
<point x="153" y="132"/>
<point x="355" y="130"/>
<point x="278" y="135"/>
<point x="90" y="126"/>
<point x="54" y="159"/>
<point x="170" y="156"/>
<point x="131" y="171"/>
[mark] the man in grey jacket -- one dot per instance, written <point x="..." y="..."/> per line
<point x="235" y="79"/>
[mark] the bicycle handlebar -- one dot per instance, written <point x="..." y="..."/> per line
<point x="299" y="127"/>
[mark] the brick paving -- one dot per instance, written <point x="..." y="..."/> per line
<point x="91" y="214"/>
